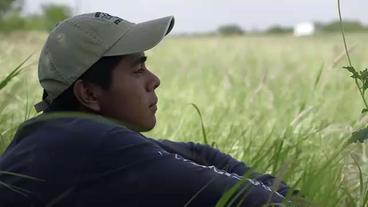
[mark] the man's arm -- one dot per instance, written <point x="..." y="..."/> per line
<point x="141" y="172"/>
<point x="204" y="155"/>
<point x="208" y="156"/>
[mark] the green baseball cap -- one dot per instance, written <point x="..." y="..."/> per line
<point x="75" y="44"/>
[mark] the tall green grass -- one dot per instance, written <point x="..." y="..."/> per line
<point x="5" y="81"/>
<point x="3" y="140"/>
<point x="279" y="103"/>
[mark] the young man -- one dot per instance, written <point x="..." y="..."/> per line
<point x="95" y="64"/>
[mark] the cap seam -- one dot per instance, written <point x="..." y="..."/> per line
<point x="77" y="25"/>
<point x="54" y="68"/>
<point x="123" y="34"/>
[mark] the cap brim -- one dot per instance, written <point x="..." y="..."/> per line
<point x="142" y="37"/>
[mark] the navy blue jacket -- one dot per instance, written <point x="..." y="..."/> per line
<point x="91" y="161"/>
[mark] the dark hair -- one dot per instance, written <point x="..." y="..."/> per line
<point x="100" y="73"/>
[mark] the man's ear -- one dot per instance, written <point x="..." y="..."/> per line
<point x="86" y="94"/>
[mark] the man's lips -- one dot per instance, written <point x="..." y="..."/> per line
<point x="153" y="106"/>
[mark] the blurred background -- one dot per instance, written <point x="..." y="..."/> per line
<point x="301" y="17"/>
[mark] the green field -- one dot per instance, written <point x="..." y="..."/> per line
<point x="282" y="104"/>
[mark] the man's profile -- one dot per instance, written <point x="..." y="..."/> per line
<point x="94" y="64"/>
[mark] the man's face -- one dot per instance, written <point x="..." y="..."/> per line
<point x="131" y="97"/>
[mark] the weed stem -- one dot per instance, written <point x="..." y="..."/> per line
<point x="348" y="55"/>
<point x="343" y="34"/>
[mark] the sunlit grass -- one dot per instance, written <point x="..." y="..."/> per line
<point x="281" y="104"/>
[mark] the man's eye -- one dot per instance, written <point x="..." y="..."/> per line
<point x="139" y="70"/>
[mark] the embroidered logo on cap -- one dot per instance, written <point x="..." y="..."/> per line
<point x="108" y="17"/>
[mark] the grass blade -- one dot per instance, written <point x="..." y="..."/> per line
<point x="202" y="123"/>
<point x="20" y="175"/>
<point x="13" y="73"/>
<point x="361" y="186"/>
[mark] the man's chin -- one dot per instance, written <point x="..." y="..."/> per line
<point x="144" y="127"/>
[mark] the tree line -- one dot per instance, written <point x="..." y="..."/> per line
<point x="330" y="27"/>
<point x="12" y="19"/>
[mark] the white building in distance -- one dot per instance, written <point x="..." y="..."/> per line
<point x="304" y="29"/>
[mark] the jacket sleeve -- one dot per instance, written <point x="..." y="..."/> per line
<point x="208" y="156"/>
<point x="204" y="155"/>
<point x="139" y="171"/>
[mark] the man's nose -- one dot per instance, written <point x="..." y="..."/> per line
<point x="154" y="82"/>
